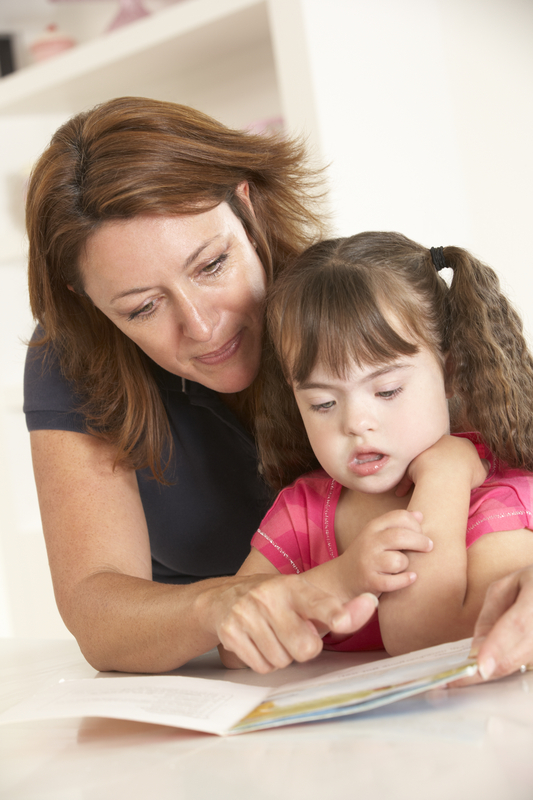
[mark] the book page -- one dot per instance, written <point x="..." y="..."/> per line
<point x="193" y="703"/>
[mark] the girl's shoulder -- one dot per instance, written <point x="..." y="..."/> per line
<point x="317" y="484"/>
<point x="303" y="502"/>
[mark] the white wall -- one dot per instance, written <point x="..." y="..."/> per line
<point x="27" y="605"/>
<point x="425" y="110"/>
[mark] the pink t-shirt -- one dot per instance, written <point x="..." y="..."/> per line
<point x="298" y="532"/>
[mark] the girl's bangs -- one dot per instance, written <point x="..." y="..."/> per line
<point x="339" y="323"/>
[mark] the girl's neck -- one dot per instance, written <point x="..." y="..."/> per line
<point x="356" y="509"/>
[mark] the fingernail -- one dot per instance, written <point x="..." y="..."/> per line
<point x="486" y="668"/>
<point x="476" y="644"/>
<point x="430" y="544"/>
<point x="372" y="597"/>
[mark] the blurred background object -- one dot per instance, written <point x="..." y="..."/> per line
<point x="50" y="43"/>
<point x="7" y="64"/>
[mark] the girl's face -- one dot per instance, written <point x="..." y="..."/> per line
<point x="366" y="429"/>
<point x="188" y="290"/>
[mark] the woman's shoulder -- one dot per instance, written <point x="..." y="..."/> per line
<point x="50" y="400"/>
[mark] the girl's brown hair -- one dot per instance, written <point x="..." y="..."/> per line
<point x="134" y="156"/>
<point x="372" y="297"/>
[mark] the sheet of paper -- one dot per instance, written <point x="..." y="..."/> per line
<point x="193" y="703"/>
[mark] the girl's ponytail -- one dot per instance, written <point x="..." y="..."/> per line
<point x="491" y="368"/>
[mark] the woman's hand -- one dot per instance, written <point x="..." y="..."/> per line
<point x="279" y="619"/>
<point x="503" y="636"/>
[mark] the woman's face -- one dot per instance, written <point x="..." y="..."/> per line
<point x="188" y="290"/>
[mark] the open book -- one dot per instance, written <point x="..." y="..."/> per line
<point x="228" y="707"/>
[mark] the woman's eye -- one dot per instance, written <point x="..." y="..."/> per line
<point x="143" y="312"/>
<point x="388" y="395"/>
<point x="214" y="267"/>
<point x="323" y="406"/>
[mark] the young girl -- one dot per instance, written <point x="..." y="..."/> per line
<point x="379" y="360"/>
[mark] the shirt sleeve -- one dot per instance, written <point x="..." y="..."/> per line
<point x="50" y="402"/>
<point x="503" y="503"/>
<point x="292" y="535"/>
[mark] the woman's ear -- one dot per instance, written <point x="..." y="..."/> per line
<point x="71" y="288"/>
<point x="242" y="190"/>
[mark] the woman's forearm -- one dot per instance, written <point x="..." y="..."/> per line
<point x="99" y="553"/>
<point x="129" y="624"/>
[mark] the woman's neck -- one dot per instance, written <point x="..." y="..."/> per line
<point x="238" y="403"/>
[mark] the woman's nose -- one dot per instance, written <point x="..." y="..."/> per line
<point x="196" y="320"/>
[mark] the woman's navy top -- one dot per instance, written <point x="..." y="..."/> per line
<point x="201" y="525"/>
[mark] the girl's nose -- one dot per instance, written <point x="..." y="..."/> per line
<point x="358" y="420"/>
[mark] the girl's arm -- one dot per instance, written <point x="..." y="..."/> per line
<point x="259" y="629"/>
<point x="99" y="554"/>
<point x="444" y="602"/>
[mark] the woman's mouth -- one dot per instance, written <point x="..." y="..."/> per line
<point x="363" y="464"/>
<point x="223" y="353"/>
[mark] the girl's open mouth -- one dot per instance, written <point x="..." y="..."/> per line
<point x="364" y="464"/>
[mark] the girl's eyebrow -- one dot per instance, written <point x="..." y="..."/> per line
<point x="302" y="387"/>
<point x="188" y="261"/>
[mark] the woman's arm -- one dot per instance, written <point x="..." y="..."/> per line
<point x="99" y="554"/>
<point x="446" y="599"/>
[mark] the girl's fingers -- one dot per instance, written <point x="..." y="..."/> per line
<point x="393" y="562"/>
<point x="391" y="583"/>
<point x="402" y="539"/>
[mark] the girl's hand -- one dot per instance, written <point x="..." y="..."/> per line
<point x="449" y="453"/>
<point x="276" y="620"/>
<point x="376" y="561"/>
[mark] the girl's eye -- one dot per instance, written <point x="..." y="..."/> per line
<point x="323" y="406"/>
<point x="215" y="266"/>
<point x="390" y="394"/>
<point x="144" y="312"/>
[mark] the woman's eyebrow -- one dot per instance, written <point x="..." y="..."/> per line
<point x="302" y="387"/>
<point x="188" y="261"/>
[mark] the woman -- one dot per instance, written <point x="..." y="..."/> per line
<point x="153" y="232"/>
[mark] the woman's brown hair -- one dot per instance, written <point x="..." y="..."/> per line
<point x="134" y="156"/>
<point x="372" y="297"/>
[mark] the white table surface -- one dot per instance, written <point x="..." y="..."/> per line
<point x="453" y="744"/>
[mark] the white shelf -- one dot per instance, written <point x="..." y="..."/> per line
<point x="201" y="52"/>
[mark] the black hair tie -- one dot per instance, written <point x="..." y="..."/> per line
<point x="437" y="256"/>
